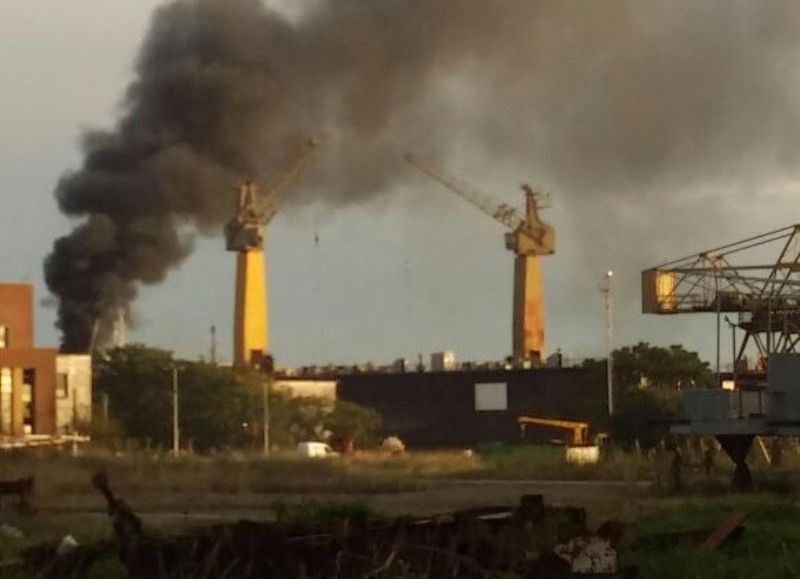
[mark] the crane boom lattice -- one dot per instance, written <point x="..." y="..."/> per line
<point x="501" y="212"/>
<point x="757" y="279"/>
<point x="279" y="190"/>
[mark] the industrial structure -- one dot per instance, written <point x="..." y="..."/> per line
<point x="245" y="234"/>
<point x="579" y="430"/>
<point x="757" y="280"/>
<point x="579" y="449"/>
<point x="464" y="407"/>
<point x="528" y="238"/>
<point x="42" y="393"/>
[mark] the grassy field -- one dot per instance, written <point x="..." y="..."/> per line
<point x="173" y="494"/>
<point x="156" y="482"/>
<point x="768" y="549"/>
<point x="153" y="482"/>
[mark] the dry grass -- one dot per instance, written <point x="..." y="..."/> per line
<point x="548" y="463"/>
<point x="418" y="464"/>
<point x="173" y="494"/>
<point x="156" y="482"/>
<point x="153" y="482"/>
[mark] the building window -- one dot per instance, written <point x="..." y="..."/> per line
<point x="28" y="400"/>
<point x="62" y="386"/>
<point x="4" y="336"/>
<point x="6" y="400"/>
<point x="491" y="396"/>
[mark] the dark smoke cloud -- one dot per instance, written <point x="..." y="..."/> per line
<point x="608" y="102"/>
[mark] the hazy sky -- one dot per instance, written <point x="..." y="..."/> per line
<point x="415" y="271"/>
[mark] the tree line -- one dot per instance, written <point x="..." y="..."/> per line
<point x="648" y="381"/>
<point x="220" y="407"/>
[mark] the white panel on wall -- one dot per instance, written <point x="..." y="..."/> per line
<point x="491" y="396"/>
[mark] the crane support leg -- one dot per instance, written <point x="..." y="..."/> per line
<point x="737" y="446"/>
<point x="250" y="339"/>
<point x="528" y="322"/>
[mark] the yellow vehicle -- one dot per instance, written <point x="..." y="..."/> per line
<point x="578" y="450"/>
<point x="580" y="430"/>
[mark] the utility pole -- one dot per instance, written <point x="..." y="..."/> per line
<point x="608" y="289"/>
<point x="104" y="396"/>
<point x="733" y="362"/>
<point x="266" y="416"/>
<point x="74" y="393"/>
<point x="269" y="370"/>
<point x="719" y="330"/>
<point x="213" y="353"/>
<point x="732" y="326"/>
<point x="176" y="432"/>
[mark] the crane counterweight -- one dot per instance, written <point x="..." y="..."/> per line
<point x="245" y="231"/>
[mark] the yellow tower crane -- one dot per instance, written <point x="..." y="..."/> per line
<point x="528" y="238"/>
<point x="245" y="235"/>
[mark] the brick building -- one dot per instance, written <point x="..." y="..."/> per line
<point x="41" y="392"/>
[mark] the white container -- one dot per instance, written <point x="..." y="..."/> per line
<point x="315" y="450"/>
<point x="583" y="454"/>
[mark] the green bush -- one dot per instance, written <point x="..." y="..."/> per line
<point x="220" y="408"/>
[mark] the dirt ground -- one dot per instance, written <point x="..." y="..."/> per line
<point x="602" y="500"/>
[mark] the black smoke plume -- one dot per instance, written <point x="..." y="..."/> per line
<point x="606" y="102"/>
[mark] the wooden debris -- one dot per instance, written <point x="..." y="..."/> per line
<point x="530" y="541"/>
<point x="729" y="529"/>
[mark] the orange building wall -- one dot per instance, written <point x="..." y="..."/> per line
<point x="16" y="312"/>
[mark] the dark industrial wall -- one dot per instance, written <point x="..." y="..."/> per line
<point x="437" y="409"/>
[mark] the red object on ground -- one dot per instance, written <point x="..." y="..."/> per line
<point x="347" y="445"/>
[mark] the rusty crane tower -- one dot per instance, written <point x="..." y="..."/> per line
<point x="245" y="235"/>
<point x="757" y="280"/>
<point x="528" y="237"/>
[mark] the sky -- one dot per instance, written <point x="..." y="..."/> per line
<point x="413" y="271"/>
